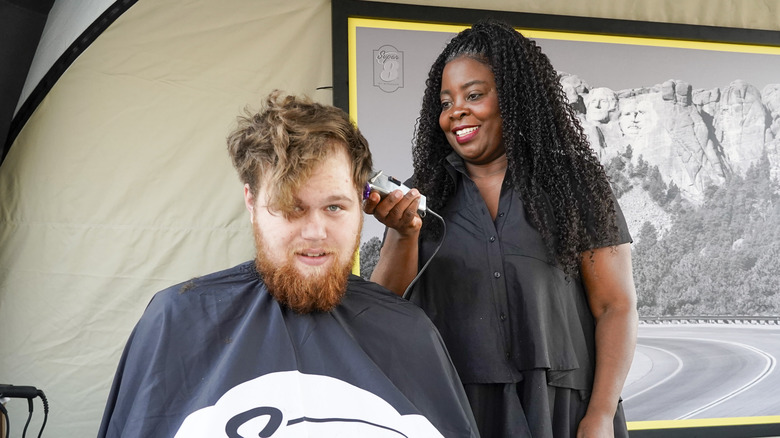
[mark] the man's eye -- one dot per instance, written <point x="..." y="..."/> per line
<point x="273" y="211"/>
<point x="296" y="212"/>
<point x="334" y="208"/>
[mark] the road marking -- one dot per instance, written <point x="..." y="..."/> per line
<point x="674" y="373"/>
<point x="770" y="366"/>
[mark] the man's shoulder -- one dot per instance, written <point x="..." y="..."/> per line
<point x="225" y="283"/>
<point x="373" y="291"/>
<point x="239" y="273"/>
<point x="367" y="296"/>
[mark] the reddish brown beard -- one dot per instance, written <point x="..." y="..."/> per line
<point x="316" y="293"/>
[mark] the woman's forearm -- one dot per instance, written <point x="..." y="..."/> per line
<point x="397" y="265"/>
<point x="615" y="344"/>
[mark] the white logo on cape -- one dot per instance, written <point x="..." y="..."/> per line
<point x="293" y="404"/>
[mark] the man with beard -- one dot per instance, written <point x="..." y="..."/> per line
<point x="289" y="344"/>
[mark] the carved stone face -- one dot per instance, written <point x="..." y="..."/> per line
<point x="601" y="102"/>
<point x="770" y="95"/>
<point x="573" y="87"/>
<point x="740" y="109"/>
<point x="635" y="117"/>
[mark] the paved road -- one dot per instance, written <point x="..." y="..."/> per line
<point x="683" y="371"/>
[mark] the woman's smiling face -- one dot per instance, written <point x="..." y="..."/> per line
<point x="470" y="116"/>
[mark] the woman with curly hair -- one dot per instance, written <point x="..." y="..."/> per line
<point x="532" y="288"/>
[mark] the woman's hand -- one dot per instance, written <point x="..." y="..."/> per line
<point x="396" y="211"/>
<point x="596" y="426"/>
<point x="397" y="263"/>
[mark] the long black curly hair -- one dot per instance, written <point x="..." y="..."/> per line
<point x="550" y="163"/>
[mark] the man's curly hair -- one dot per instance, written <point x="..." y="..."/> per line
<point x="282" y="144"/>
<point x="550" y="162"/>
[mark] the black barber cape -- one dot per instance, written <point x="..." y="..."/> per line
<point x="219" y="357"/>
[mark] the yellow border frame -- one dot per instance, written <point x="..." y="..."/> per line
<point x="354" y="23"/>
<point x="703" y="422"/>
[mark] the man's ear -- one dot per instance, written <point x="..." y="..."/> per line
<point x="249" y="202"/>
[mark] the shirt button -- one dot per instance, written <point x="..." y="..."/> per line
<point x="501" y="215"/>
<point x="492" y="238"/>
<point x="508" y="355"/>
<point x="497" y="274"/>
<point x="502" y="316"/>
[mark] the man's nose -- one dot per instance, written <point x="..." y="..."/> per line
<point x="314" y="227"/>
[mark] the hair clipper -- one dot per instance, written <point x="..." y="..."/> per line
<point x="384" y="185"/>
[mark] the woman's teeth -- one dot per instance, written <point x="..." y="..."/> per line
<point x="465" y="131"/>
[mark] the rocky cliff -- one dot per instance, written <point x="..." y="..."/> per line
<point x="696" y="137"/>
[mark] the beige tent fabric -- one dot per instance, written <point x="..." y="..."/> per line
<point x="119" y="185"/>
